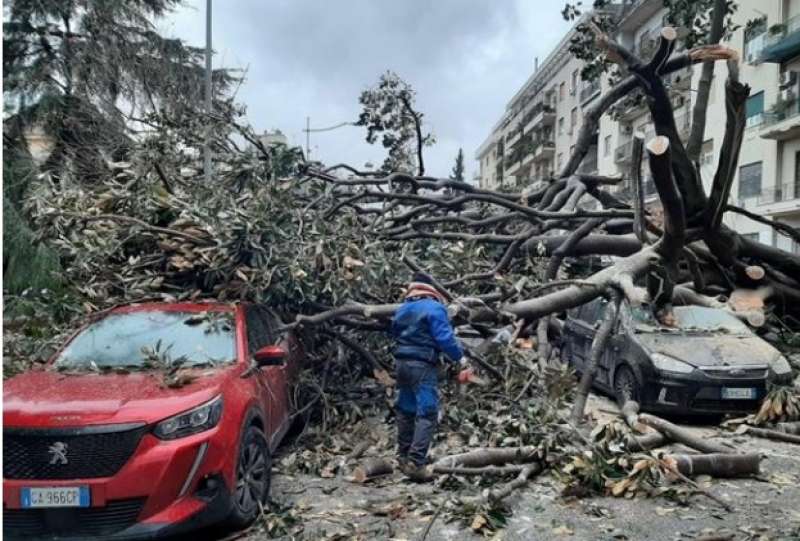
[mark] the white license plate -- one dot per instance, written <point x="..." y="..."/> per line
<point x="55" y="497"/>
<point x="739" y="393"/>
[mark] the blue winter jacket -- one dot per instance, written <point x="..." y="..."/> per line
<point x="422" y="330"/>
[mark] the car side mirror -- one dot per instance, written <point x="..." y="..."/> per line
<point x="270" y="356"/>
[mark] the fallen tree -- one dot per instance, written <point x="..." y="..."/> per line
<point x="328" y="246"/>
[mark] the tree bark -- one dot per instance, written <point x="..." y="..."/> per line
<point x="718" y="464"/>
<point x="773" y="435"/>
<point x="490" y="457"/>
<point x="694" y="144"/>
<point x="597" y="350"/>
<point x="372" y="468"/>
<point x="681" y="435"/>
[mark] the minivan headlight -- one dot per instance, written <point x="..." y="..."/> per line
<point x="664" y="362"/>
<point x="781" y="366"/>
<point x="190" y="422"/>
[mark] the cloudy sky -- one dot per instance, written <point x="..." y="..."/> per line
<point x="465" y="58"/>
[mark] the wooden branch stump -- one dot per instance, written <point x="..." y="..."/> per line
<point x="372" y="468"/>
<point x="718" y="464"/>
<point x="490" y="457"/>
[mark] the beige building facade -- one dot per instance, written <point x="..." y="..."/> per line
<point x="767" y="181"/>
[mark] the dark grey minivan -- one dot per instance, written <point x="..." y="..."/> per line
<point x="710" y="362"/>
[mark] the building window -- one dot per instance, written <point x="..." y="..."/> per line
<point x="754" y="108"/>
<point x="561" y="126"/>
<point x="607" y="146"/>
<point x="562" y="91"/>
<point x="573" y="118"/>
<point x="750" y="180"/>
<point x="574" y="82"/>
<point x="751" y="236"/>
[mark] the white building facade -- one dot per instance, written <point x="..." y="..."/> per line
<point x="767" y="181"/>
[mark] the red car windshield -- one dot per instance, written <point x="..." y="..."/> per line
<point x="152" y="340"/>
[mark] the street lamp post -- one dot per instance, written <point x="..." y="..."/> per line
<point x="207" y="150"/>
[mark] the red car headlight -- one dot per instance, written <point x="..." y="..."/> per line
<point x="203" y="417"/>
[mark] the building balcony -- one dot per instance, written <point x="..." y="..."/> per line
<point x="544" y="151"/>
<point x="513" y="138"/>
<point x="589" y="91"/>
<point x="782" y="41"/>
<point x="628" y="111"/>
<point x="647" y="44"/>
<point x="543" y="118"/>
<point x="783" y="124"/>
<point x="527" y="159"/>
<point x="780" y="200"/>
<point x="679" y="80"/>
<point x="623" y="153"/>
<point x="513" y="167"/>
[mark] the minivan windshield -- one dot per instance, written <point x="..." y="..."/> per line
<point x="152" y="339"/>
<point x="689" y="319"/>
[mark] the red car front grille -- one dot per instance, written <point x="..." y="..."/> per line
<point x="79" y="453"/>
<point x="90" y="521"/>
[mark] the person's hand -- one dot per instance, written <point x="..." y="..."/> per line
<point x="465" y="375"/>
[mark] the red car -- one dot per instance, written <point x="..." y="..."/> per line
<point x="152" y="420"/>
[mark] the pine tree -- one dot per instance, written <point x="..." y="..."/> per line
<point x="458" y="168"/>
<point x="86" y="72"/>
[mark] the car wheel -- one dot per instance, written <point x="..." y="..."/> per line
<point x="253" y="477"/>
<point x="625" y="385"/>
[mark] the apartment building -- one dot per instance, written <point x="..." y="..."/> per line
<point x="767" y="182"/>
<point x="539" y="127"/>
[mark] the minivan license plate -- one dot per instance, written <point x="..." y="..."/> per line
<point x="738" y="393"/>
<point x="55" y="497"/>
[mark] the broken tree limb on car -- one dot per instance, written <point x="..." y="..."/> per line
<point x="599" y="344"/>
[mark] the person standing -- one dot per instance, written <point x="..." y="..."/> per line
<point x="422" y="331"/>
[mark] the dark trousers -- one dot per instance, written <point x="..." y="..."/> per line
<point x="417" y="408"/>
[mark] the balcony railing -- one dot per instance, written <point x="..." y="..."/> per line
<point x="647" y="44"/>
<point x="781" y="41"/>
<point x="623" y="152"/>
<point x="589" y="90"/>
<point x="789" y="110"/>
<point x="777" y="194"/>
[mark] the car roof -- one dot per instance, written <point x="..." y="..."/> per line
<point x="196" y="306"/>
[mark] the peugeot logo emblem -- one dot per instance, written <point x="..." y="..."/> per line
<point x="58" y="453"/>
<point x="737" y="372"/>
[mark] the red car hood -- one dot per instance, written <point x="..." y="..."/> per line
<point x="46" y="398"/>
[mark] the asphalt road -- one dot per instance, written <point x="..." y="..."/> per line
<point x="767" y="508"/>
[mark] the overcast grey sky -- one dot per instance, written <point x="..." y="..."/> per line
<point x="465" y="58"/>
